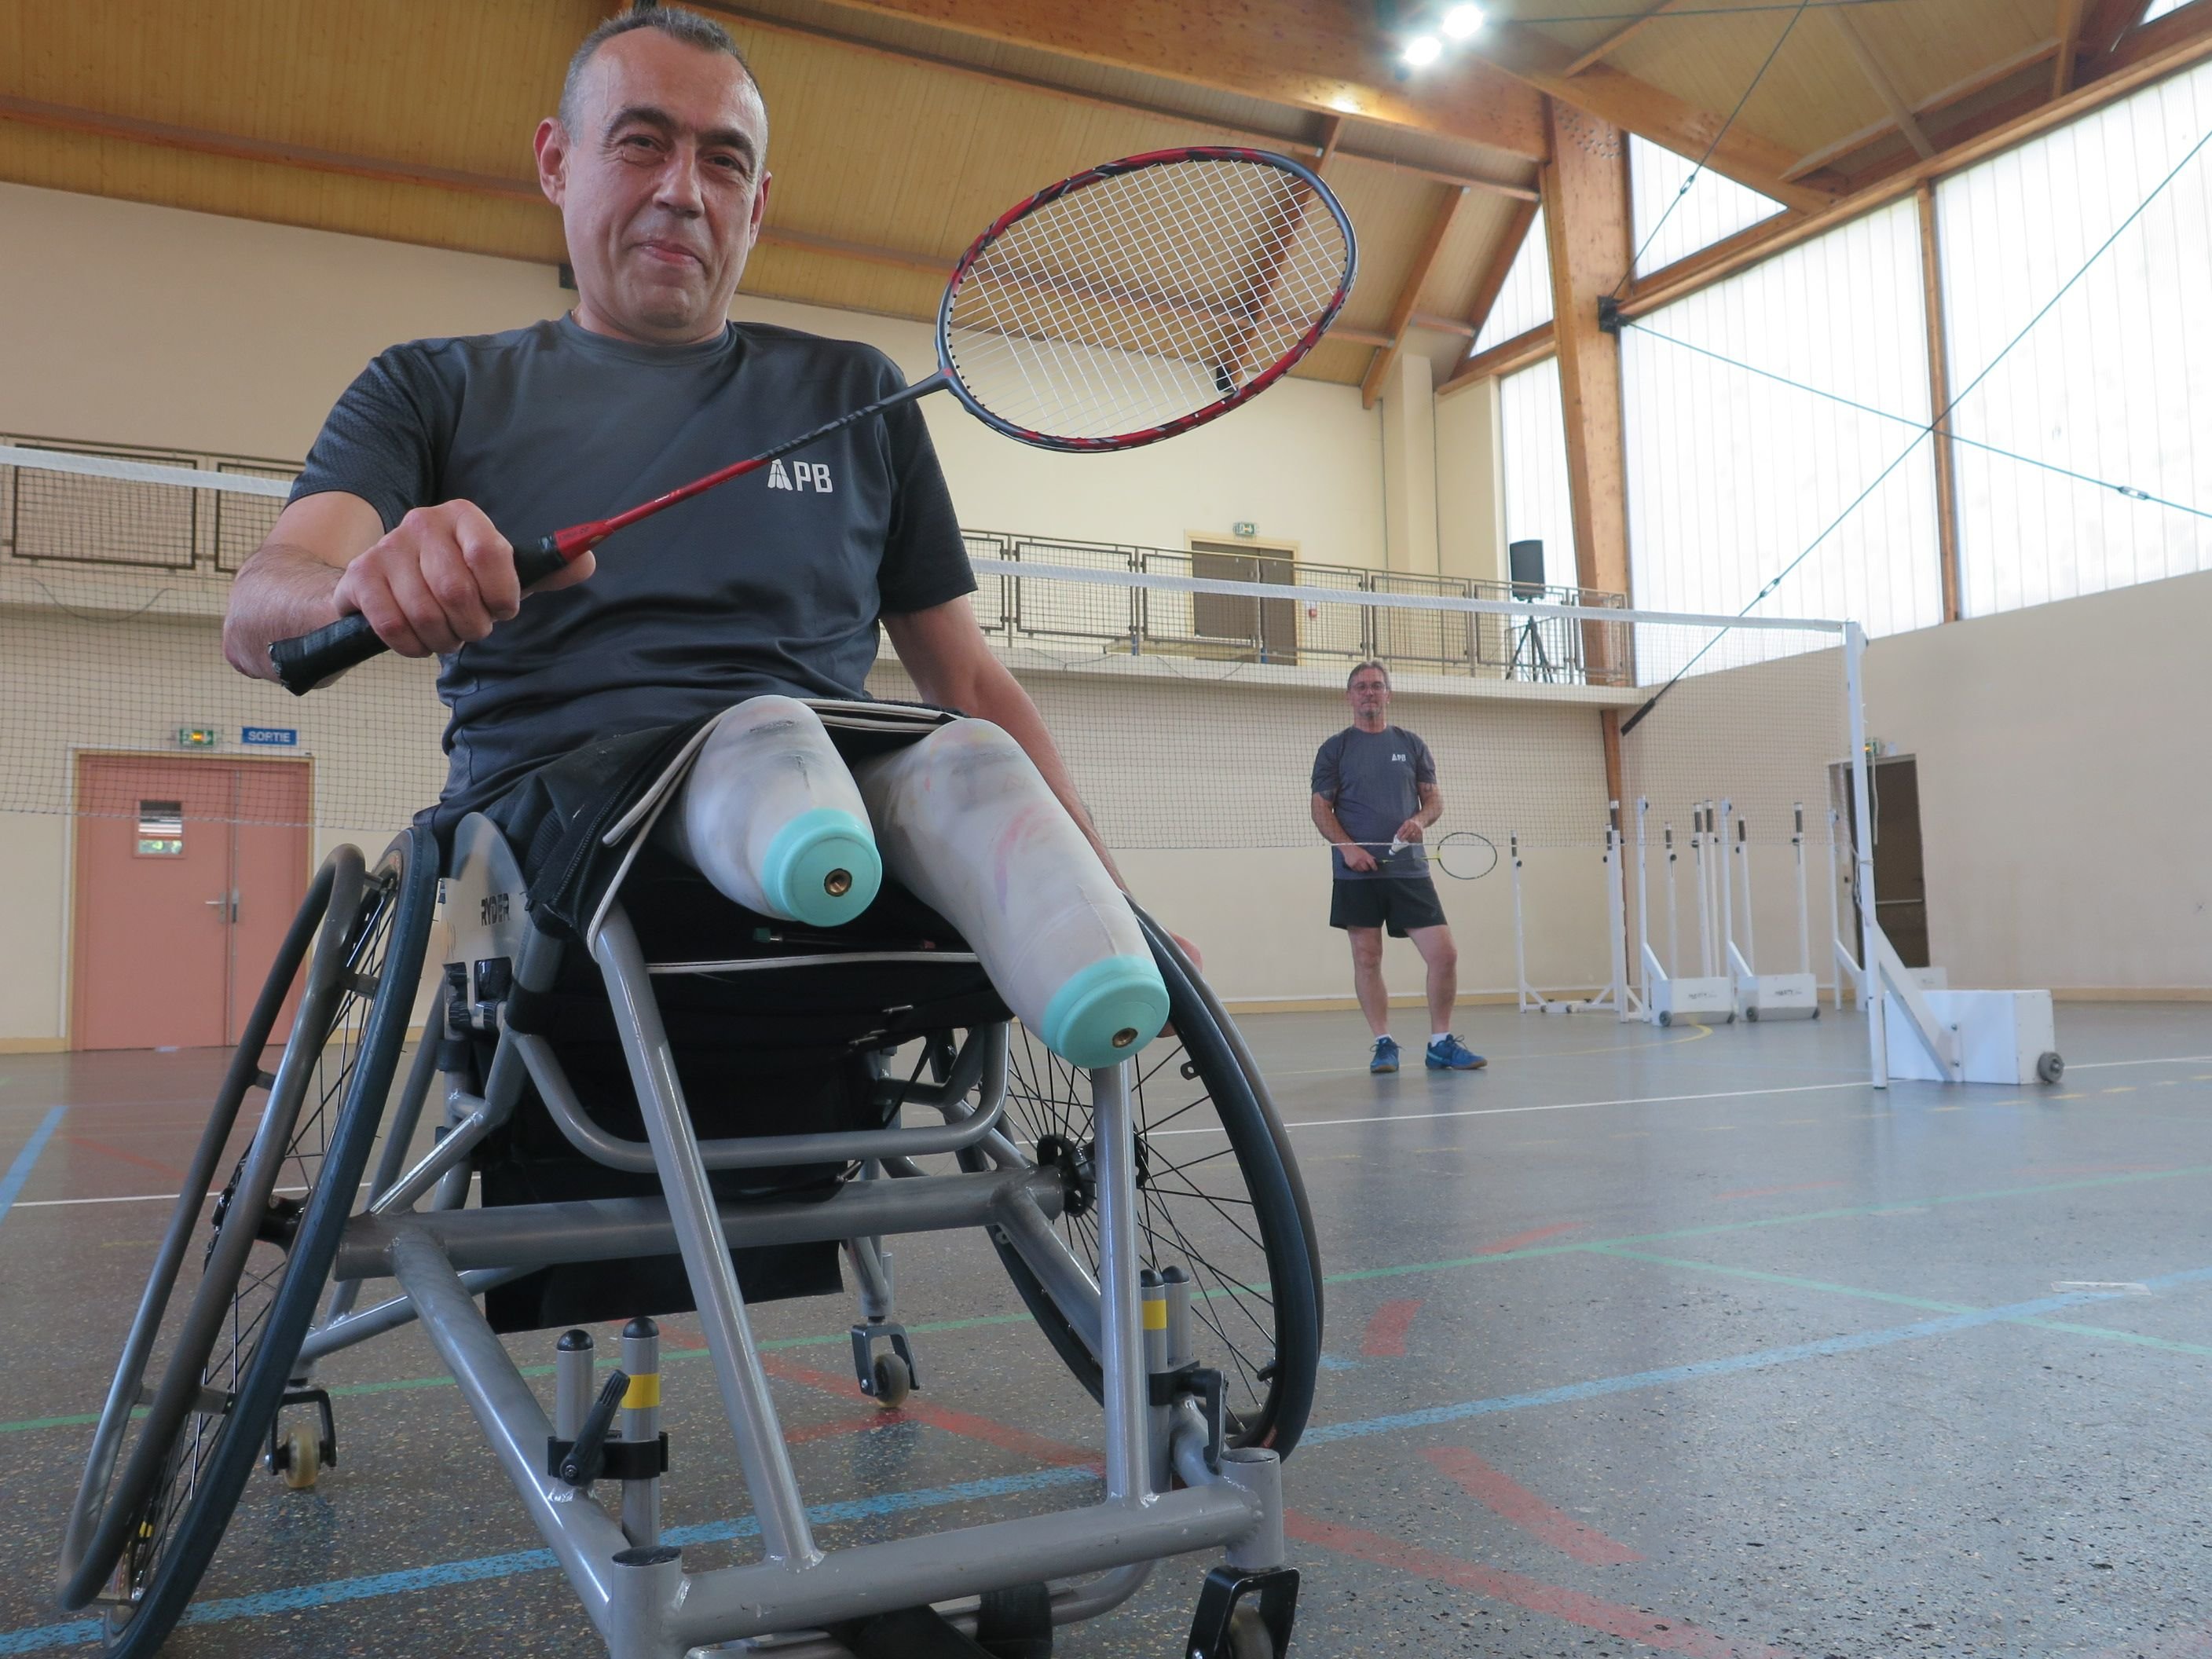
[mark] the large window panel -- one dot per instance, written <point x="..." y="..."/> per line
<point x="2108" y="383"/>
<point x="1532" y="439"/>
<point x="1760" y="410"/>
<point x="1671" y="222"/>
<point x="1524" y="299"/>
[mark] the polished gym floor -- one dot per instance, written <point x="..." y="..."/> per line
<point x="1682" y="1342"/>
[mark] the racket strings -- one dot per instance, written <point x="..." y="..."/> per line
<point x="1131" y="302"/>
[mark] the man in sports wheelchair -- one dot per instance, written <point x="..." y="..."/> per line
<point x="714" y="927"/>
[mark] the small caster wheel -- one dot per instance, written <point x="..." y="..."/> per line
<point x="1752" y="1013"/>
<point x="1665" y="1020"/>
<point x="301" y="1457"/>
<point x="894" y="1382"/>
<point x="2049" y="1067"/>
<point x="1248" y="1636"/>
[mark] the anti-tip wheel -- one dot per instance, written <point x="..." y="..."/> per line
<point x="303" y="1456"/>
<point x="1665" y="1020"/>
<point x="1752" y="1013"/>
<point x="894" y="1381"/>
<point x="2049" y="1067"/>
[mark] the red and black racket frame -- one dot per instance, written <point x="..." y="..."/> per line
<point x="304" y="663"/>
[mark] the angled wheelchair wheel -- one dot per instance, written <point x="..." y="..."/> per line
<point x="1218" y="1195"/>
<point x="235" y="1284"/>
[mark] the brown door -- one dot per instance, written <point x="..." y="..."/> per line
<point x="1267" y="628"/>
<point x="1900" y="883"/>
<point x="188" y="872"/>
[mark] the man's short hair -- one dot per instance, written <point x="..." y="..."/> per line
<point x="1359" y="668"/>
<point x="675" y="23"/>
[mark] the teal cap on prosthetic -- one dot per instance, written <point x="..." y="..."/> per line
<point x="822" y="868"/>
<point x="1106" y="1012"/>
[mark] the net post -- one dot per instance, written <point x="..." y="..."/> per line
<point x="1616" y="904"/>
<point x="1873" y="997"/>
<point x="1804" y="923"/>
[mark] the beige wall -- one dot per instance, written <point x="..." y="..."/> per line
<point x="2065" y="786"/>
<point x="125" y="324"/>
<point x="1470" y="499"/>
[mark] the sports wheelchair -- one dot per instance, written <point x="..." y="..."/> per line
<point x="621" y="1097"/>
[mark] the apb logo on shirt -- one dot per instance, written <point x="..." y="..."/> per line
<point x="803" y="474"/>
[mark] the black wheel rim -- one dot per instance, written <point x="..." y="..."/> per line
<point x="1216" y="1197"/>
<point x="307" y="1144"/>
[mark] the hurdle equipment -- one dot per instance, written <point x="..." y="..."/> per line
<point x="1769" y="996"/>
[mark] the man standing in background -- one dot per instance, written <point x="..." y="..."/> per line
<point x="1374" y="793"/>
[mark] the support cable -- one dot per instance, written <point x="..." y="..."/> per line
<point x="1942" y="414"/>
<point x="2130" y="491"/>
<point x="1775" y="50"/>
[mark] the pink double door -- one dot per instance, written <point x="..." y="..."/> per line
<point x="188" y="873"/>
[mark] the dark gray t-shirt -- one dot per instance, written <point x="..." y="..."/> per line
<point x="1371" y="779"/>
<point x="773" y="582"/>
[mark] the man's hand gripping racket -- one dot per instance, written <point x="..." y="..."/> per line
<point x="1125" y="305"/>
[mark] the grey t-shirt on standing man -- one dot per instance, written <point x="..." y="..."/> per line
<point x="1372" y="780"/>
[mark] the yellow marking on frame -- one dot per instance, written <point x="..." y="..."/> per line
<point x="643" y="1391"/>
<point x="1156" y="1313"/>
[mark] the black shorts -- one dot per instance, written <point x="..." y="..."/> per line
<point x="1400" y="903"/>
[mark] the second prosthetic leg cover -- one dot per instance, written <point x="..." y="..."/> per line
<point x="967" y="821"/>
<point x="770" y="815"/>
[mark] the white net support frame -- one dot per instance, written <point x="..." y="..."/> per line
<point x="1188" y="691"/>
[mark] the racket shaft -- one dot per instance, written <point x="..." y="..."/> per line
<point x="305" y="662"/>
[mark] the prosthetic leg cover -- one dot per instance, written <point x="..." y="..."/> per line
<point x="968" y="823"/>
<point x="770" y="815"/>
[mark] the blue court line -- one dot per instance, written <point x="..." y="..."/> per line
<point x="1764" y="1359"/>
<point x="79" y="1631"/>
<point x="20" y="1170"/>
<point x="333" y="1592"/>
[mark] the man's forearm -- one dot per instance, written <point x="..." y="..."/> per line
<point x="1325" y="820"/>
<point x="280" y="592"/>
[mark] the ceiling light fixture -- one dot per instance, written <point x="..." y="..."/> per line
<point x="1461" y="22"/>
<point x="1424" y="50"/>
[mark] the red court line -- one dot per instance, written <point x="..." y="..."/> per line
<point x="1591" y="1612"/>
<point x="1004" y="1435"/>
<point x="1518" y="1240"/>
<point x="1386" y="1329"/>
<point x="1498" y="1492"/>
<point x="1770" y="1192"/>
<point x="169" y="1169"/>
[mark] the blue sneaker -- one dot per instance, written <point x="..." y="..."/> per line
<point x="1386" y="1058"/>
<point x="1448" y="1054"/>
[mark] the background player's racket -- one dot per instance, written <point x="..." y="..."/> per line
<point x="1462" y="854"/>
<point x="1121" y="306"/>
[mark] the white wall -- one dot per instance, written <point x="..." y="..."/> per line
<point x="125" y="324"/>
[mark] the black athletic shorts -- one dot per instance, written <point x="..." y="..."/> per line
<point x="1399" y="902"/>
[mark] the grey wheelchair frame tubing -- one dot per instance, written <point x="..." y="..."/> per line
<point x="638" y="1596"/>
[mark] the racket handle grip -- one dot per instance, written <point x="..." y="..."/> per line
<point x="305" y="662"/>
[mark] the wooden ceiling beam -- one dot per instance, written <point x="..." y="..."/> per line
<point x="1624" y="101"/>
<point x="1885" y="86"/>
<point x="1934" y="103"/>
<point x="1409" y="294"/>
<point x="2105" y="23"/>
<point x="1335" y="127"/>
<point x="1676" y="281"/>
<point x="2070" y="18"/>
<point x="1626" y="31"/>
<point x="1504" y="358"/>
<point x="1310" y="54"/>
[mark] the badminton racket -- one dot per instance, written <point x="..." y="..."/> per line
<point x="1462" y="854"/>
<point x="1124" y="305"/>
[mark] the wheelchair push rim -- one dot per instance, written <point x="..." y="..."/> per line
<point x="1219" y="1196"/>
<point x="139" y="1540"/>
